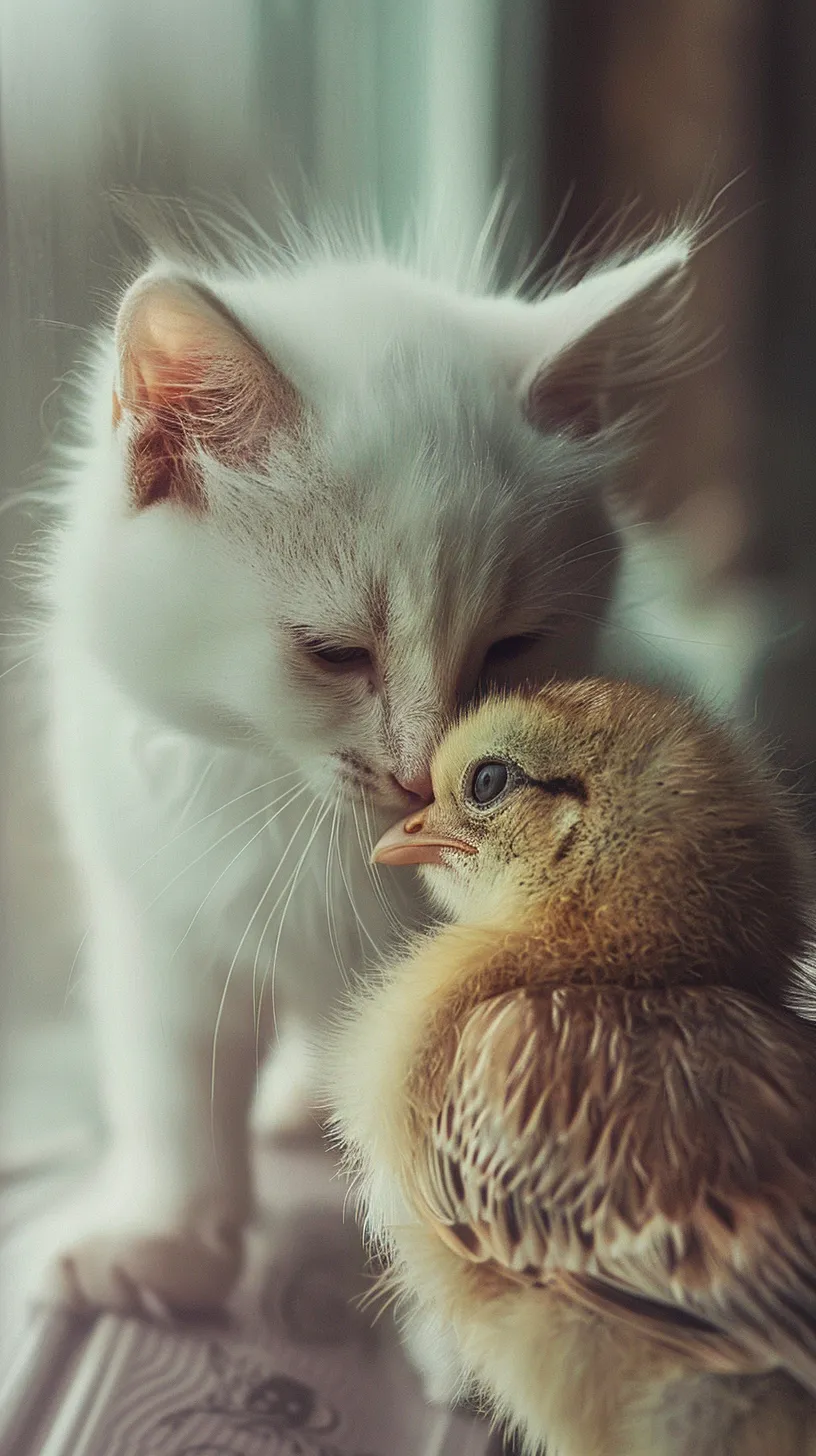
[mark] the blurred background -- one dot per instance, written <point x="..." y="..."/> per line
<point x="585" y="109"/>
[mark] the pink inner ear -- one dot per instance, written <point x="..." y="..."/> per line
<point x="190" y="376"/>
<point x="564" y="405"/>
<point x="571" y="394"/>
<point x="622" y="336"/>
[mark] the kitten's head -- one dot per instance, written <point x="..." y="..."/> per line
<point x="328" y="503"/>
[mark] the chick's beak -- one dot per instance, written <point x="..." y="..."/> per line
<point x="414" y="841"/>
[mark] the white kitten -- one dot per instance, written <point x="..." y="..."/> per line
<point x="317" y="504"/>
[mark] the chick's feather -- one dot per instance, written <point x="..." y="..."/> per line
<point x="651" y="1152"/>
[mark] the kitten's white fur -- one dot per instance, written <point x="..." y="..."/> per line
<point x="194" y="744"/>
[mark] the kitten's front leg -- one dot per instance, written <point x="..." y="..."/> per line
<point x="164" y="1217"/>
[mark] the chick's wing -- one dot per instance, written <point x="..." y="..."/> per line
<point x="652" y="1152"/>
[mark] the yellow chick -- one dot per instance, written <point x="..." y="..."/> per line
<point x="583" y="1115"/>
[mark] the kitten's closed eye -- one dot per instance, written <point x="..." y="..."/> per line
<point x="507" y="649"/>
<point x="336" y="655"/>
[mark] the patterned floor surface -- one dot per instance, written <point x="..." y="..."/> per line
<point x="297" y="1369"/>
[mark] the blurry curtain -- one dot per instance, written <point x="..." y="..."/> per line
<point x="664" y="102"/>
<point x="655" y="110"/>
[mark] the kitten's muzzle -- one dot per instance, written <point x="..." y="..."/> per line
<point x="415" y="841"/>
<point x="417" y="786"/>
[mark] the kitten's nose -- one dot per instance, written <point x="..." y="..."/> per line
<point x="417" y="784"/>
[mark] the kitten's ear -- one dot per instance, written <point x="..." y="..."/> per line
<point x="189" y="376"/>
<point x="608" y="341"/>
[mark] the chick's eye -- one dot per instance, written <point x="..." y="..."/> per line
<point x="488" y="781"/>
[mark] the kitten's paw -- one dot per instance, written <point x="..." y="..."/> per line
<point x="148" y="1273"/>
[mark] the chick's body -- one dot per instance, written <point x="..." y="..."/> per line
<point x="584" y="1113"/>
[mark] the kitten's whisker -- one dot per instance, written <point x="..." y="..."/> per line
<point x="21" y="662"/>
<point x="244" y="847"/>
<point x="362" y="929"/>
<point x="365" y="855"/>
<point x="574" y="555"/>
<point x="398" y="885"/>
<point x="287" y="890"/>
<point x="320" y="817"/>
<point x="643" y="635"/>
<point x="197" y="787"/>
<point x="258" y="991"/>
<point x="331" y="918"/>
<point x="578" y="554"/>
<point x="69" y="985"/>
<point x="559" y="564"/>
<point x="288" y="887"/>
<point x="220" y="840"/>
<point x="220" y="809"/>
<point x="257" y="995"/>
<point x="240" y="946"/>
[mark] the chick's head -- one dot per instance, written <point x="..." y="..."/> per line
<point x="632" y="829"/>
